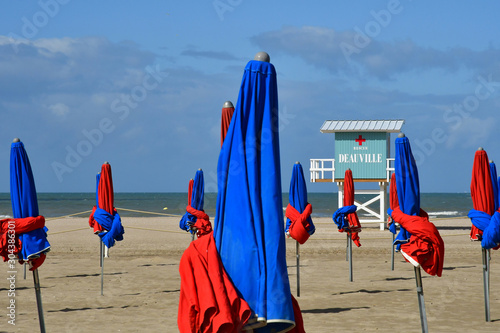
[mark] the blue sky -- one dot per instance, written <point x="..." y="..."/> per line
<point x="142" y="84"/>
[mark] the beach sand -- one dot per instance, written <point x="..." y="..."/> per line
<point x="141" y="282"/>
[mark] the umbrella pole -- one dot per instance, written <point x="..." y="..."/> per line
<point x="298" y="267"/>
<point x="24" y="267"/>
<point x="347" y="247"/>
<point x="38" y="294"/>
<point x="102" y="268"/>
<point x="421" y="303"/>
<point x="350" y="256"/>
<point x="392" y="252"/>
<point x="100" y="252"/>
<point x="486" y="281"/>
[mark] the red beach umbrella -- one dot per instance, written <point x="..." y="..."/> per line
<point x="227" y="115"/>
<point x="483" y="199"/>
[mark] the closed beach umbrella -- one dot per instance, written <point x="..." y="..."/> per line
<point x="110" y="228"/>
<point x="194" y="218"/>
<point x="248" y="228"/>
<point x="485" y="220"/>
<point x="227" y="115"/>
<point x="346" y="218"/>
<point x="299" y="224"/>
<point x="425" y="247"/>
<point x="393" y="203"/>
<point x="25" y="210"/>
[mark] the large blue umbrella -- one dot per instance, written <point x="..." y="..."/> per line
<point x="248" y="228"/>
<point x="196" y="201"/>
<point x="25" y="204"/>
<point x="297" y="198"/>
<point x="408" y="190"/>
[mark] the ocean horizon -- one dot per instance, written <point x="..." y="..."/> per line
<point x="145" y="204"/>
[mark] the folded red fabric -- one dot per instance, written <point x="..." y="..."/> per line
<point x="21" y="225"/>
<point x="298" y="223"/>
<point x="426" y="247"/>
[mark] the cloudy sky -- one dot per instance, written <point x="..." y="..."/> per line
<point x="142" y="84"/>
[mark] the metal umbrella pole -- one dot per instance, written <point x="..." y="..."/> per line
<point x="102" y="268"/>
<point x="349" y="242"/>
<point x="421" y="303"/>
<point x="298" y="267"/>
<point x="392" y="252"/>
<point x="486" y="282"/>
<point x="38" y="294"/>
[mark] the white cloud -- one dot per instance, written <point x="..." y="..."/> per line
<point x="59" y="109"/>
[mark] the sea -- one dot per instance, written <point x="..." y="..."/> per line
<point x="52" y="205"/>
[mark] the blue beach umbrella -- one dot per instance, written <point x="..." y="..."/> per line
<point x="25" y="204"/>
<point x="248" y="228"/>
<point x="196" y="201"/>
<point x="408" y="190"/>
<point x="494" y="182"/>
<point x="297" y="198"/>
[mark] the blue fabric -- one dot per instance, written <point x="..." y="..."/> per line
<point x="340" y="216"/>
<point x="113" y="225"/>
<point x="248" y="226"/>
<point x="98" y="178"/>
<point x="297" y="196"/>
<point x="392" y="226"/>
<point x="494" y="182"/>
<point x="490" y="225"/>
<point x="24" y="201"/>
<point x="407" y="184"/>
<point x="197" y="202"/>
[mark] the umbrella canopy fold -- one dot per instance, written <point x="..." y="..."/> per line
<point x="248" y="227"/>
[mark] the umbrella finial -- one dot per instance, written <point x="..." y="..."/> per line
<point x="16" y="140"/>
<point x="480" y="148"/>
<point x="401" y="135"/>
<point x="297" y="162"/>
<point x="491" y="161"/>
<point x="262" y="56"/>
<point x="106" y="162"/>
<point x="200" y="169"/>
<point x="228" y="104"/>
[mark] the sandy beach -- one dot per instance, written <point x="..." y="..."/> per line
<point x="141" y="282"/>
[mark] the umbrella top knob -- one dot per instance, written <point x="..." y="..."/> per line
<point x="480" y="148"/>
<point x="228" y="104"/>
<point x="262" y="56"/>
<point x="491" y="161"/>
<point x="106" y="162"/>
<point x="16" y="140"/>
<point x="401" y="135"/>
<point x="200" y="169"/>
<point x="297" y="162"/>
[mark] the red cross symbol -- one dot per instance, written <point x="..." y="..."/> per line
<point x="360" y="140"/>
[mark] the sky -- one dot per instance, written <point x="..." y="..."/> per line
<point x="141" y="84"/>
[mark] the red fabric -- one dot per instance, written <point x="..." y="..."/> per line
<point x="348" y="200"/>
<point x="105" y="197"/>
<point x="227" y="115"/>
<point x="208" y="301"/>
<point x="393" y="197"/>
<point x="22" y="225"/>
<point x="426" y="245"/>
<point x="298" y="223"/>
<point x="481" y="189"/>
<point x="190" y="191"/>
<point x="299" y="322"/>
<point x="202" y="225"/>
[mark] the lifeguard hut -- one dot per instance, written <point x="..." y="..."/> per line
<point x="364" y="147"/>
